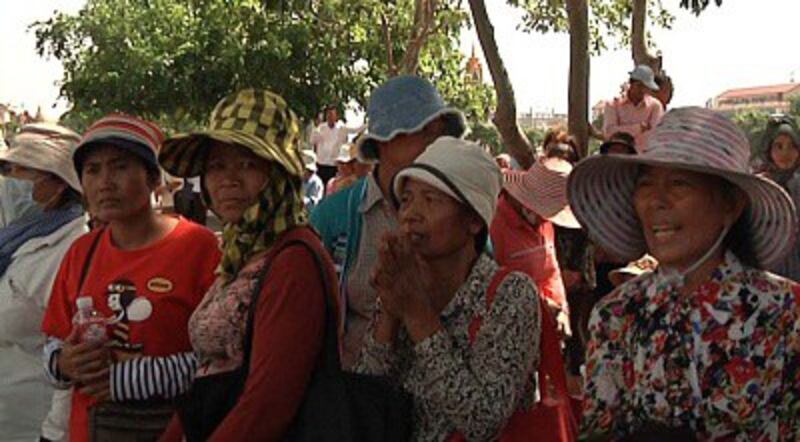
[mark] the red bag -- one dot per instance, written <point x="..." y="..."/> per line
<point x="552" y="418"/>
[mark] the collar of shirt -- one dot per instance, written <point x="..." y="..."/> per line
<point x="374" y="194"/>
<point x="711" y="296"/>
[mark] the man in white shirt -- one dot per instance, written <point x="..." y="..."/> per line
<point x="327" y="141"/>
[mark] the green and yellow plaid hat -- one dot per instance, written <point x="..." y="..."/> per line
<point x="256" y="119"/>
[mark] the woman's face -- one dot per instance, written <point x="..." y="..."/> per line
<point x="47" y="187"/>
<point x="783" y="152"/>
<point x="682" y="213"/>
<point x="116" y="183"/>
<point x="234" y="178"/>
<point x="345" y="169"/>
<point x="435" y="223"/>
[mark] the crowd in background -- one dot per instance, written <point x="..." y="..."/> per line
<point x="255" y="279"/>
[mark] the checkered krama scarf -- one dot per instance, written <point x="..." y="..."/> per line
<point x="262" y="122"/>
<point x="279" y="208"/>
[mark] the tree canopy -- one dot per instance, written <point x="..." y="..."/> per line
<point x="609" y="21"/>
<point x="172" y="60"/>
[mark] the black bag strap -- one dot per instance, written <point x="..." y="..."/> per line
<point x="330" y="349"/>
<point x="87" y="262"/>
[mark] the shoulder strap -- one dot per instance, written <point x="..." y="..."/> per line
<point x="88" y="260"/>
<point x="499" y="276"/>
<point x="330" y="344"/>
<point x="551" y="364"/>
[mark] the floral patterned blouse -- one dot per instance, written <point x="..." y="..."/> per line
<point x="473" y="389"/>
<point x="724" y="362"/>
<point x="217" y="326"/>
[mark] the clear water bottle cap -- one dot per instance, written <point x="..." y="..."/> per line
<point x="84" y="303"/>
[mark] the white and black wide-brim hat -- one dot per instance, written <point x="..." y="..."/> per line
<point x="600" y="188"/>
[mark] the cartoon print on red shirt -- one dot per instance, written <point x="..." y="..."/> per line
<point x="127" y="307"/>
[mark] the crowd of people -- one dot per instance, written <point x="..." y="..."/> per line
<point x="644" y="293"/>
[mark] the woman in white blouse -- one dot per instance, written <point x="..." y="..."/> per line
<point x="31" y="248"/>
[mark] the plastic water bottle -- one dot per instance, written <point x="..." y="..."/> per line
<point x="91" y="326"/>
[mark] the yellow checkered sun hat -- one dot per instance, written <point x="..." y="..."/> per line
<point x="256" y="119"/>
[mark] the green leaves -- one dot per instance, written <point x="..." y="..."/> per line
<point x="609" y="20"/>
<point x="698" y="6"/>
<point x="172" y="60"/>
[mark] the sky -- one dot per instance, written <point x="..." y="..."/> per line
<point x="743" y="43"/>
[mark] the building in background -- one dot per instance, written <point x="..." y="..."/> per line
<point x="474" y="71"/>
<point x="770" y="99"/>
<point x="541" y="120"/>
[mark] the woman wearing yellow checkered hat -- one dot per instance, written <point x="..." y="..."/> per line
<point x="251" y="177"/>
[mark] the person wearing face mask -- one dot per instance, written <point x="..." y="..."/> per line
<point x="709" y="343"/>
<point x="31" y="249"/>
<point x="15" y="200"/>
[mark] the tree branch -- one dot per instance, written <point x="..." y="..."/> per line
<point x="505" y="117"/>
<point x="387" y="36"/>
<point x="424" y="18"/>
<point x="639" y="37"/>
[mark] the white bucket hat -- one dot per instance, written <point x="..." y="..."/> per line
<point x="600" y="189"/>
<point x="309" y="160"/>
<point x="543" y="189"/>
<point x="47" y="147"/>
<point x="459" y="168"/>
<point x="646" y="75"/>
<point x="346" y="154"/>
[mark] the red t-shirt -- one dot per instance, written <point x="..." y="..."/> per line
<point x="520" y="246"/>
<point x="151" y="292"/>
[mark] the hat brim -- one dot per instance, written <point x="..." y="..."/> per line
<point x="184" y="155"/>
<point x="16" y="156"/>
<point x="534" y="202"/>
<point x="652" y="85"/>
<point x="600" y="192"/>
<point x="368" y="144"/>
<point x="134" y="147"/>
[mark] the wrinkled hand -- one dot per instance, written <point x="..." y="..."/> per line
<point x="86" y="364"/>
<point x="404" y="285"/>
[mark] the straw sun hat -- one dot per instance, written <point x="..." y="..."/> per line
<point x="44" y="146"/>
<point x="543" y="190"/>
<point x="256" y="119"/>
<point x="600" y="189"/>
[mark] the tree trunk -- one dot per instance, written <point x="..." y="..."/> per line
<point x="639" y="37"/>
<point x="578" y="118"/>
<point x="505" y="117"/>
<point x="424" y="24"/>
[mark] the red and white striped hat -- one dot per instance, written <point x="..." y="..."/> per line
<point x="140" y="137"/>
<point x="543" y="189"/>
<point x="600" y="189"/>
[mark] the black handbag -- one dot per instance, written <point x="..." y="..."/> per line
<point x="338" y="406"/>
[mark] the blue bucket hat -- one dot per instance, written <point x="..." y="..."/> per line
<point x="405" y="105"/>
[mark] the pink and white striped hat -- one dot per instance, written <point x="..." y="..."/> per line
<point x="134" y="134"/>
<point x="543" y="189"/>
<point x="600" y="189"/>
